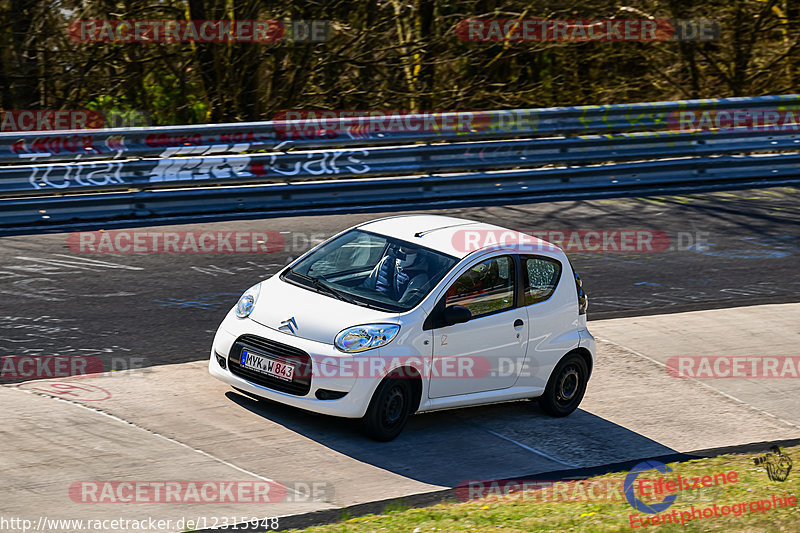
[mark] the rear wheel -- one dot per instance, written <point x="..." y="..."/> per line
<point x="566" y="386"/>
<point x="389" y="410"/>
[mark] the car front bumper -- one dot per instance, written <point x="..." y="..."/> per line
<point x="332" y="370"/>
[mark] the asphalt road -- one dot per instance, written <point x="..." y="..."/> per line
<point x="174" y="422"/>
<point x="724" y="249"/>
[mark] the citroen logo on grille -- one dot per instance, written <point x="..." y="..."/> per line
<point x="289" y="325"/>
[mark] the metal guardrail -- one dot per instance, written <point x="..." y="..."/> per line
<point x="264" y="168"/>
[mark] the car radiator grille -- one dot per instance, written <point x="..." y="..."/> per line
<point x="300" y="384"/>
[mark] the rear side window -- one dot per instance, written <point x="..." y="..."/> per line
<point x="542" y="275"/>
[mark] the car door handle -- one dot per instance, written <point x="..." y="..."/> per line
<point x="518" y="323"/>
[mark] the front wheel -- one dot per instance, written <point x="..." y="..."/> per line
<point x="566" y="387"/>
<point x="388" y="411"/>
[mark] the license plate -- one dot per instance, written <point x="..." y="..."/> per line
<point x="265" y="365"/>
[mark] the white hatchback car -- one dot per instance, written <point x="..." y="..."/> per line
<point x="408" y="314"/>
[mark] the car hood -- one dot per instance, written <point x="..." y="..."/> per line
<point x="317" y="317"/>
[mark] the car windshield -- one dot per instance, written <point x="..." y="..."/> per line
<point x="372" y="270"/>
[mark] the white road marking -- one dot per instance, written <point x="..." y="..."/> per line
<point x="523" y="446"/>
<point x="159" y="435"/>
<point x="706" y="385"/>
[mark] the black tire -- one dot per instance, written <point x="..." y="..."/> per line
<point x="389" y="410"/>
<point x="566" y="386"/>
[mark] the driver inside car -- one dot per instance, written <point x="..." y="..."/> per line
<point x="401" y="273"/>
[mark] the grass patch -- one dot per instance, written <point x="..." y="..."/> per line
<point x="610" y="511"/>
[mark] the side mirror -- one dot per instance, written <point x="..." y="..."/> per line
<point x="455" y="314"/>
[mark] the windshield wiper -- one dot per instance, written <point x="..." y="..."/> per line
<point x="339" y="294"/>
<point x="327" y="288"/>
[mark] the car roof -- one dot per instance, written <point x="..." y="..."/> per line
<point x="458" y="237"/>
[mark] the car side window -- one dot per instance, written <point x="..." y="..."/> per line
<point x="542" y="278"/>
<point x="486" y="288"/>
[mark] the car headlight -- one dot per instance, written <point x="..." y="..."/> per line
<point x="247" y="301"/>
<point x="366" y="337"/>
